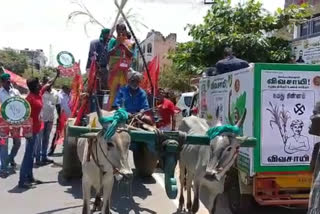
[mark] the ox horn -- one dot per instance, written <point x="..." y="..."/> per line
<point x="241" y="121"/>
<point x="99" y="113"/>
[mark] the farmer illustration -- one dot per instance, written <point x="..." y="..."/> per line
<point x="297" y="142"/>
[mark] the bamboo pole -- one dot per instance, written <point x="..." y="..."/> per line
<point x="139" y="47"/>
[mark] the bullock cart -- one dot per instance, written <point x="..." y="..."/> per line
<point x="158" y="145"/>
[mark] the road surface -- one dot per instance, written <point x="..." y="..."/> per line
<point x="65" y="197"/>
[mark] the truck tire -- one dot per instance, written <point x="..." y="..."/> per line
<point x="238" y="203"/>
<point x="145" y="161"/>
<point x="71" y="163"/>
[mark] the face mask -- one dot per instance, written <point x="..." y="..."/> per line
<point x="133" y="87"/>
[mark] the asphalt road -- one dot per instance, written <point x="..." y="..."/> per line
<point x="59" y="196"/>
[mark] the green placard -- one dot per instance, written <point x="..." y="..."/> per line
<point x="65" y="59"/>
<point x="15" y="110"/>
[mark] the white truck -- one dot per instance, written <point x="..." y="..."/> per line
<point x="279" y="99"/>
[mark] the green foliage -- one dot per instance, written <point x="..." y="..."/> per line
<point x="248" y="28"/>
<point x="174" y="79"/>
<point x="13" y="60"/>
<point x="50" y="73"/>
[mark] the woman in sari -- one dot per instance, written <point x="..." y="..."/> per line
<point x="120" y="52"/>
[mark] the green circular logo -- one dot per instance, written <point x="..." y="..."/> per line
<point x="65" y="59"/>
<point x="15" y="110"/>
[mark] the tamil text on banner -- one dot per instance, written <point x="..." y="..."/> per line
<point x="288" y="99"/>
<point x="69" y="72"/>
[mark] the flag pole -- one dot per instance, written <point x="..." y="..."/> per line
<point x="139" y="48"/>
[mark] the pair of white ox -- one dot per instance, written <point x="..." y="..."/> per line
<point x="197" y="163"/>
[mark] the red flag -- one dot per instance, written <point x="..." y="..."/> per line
<point x="20" y="81"/>
<point x="76" y="89"/>
<point x="60" y="129"/>
<point x="154" y="70"/>
<point x="92" y="85"/>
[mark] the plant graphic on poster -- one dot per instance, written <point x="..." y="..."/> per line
<point x="294" y="143"/>
<point x="237" y="108"/>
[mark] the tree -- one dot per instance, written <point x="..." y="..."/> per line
<point x="48" y="72"/>
<point x="13" y="60"/>
<point x="172" y="78"/>
<point x="248" y="28"/>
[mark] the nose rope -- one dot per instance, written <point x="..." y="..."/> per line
<point x="115" y="169"/>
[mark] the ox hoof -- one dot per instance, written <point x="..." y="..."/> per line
<point x="97" y="205"/>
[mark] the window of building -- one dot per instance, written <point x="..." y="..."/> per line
<point x="143" y="49"/>
<point x="149" y="48"/>
<point x="304" y="29"/>
<point x="316" y="26"/>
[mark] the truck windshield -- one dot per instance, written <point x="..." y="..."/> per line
<point x="187" y="101"/>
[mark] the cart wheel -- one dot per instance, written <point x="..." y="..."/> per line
<point x="144" y="160"/>
<point x="71" y="162"/>
<point x="238" y="203"/>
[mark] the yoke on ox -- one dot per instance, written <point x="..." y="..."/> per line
<point x="103" y="155"/>
<point x="207" y="165"/>
<point x="166" y="144"/>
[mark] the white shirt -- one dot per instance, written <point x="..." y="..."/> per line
<point x="4" y="94"/>
<point x="49" y="100"/>
<point x="64" y="100"/>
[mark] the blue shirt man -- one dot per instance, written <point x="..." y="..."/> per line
<point x="230" y="63"/>
<point x="98" y="48"/>
<point x="131" y="97"/>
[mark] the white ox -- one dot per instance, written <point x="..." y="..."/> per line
<point x="205" y="165"/>
<point x="107" y="157"/>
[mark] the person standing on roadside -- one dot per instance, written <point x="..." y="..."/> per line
<point x="63" y="114"/>
<point x="47" y="116"/>
<point x="35" y="100"/>
<point x="7" y="91"/>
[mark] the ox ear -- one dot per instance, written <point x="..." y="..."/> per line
<point x="246" y="141"/>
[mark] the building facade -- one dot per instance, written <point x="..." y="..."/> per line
<point x="36" y="57"/>
<point x="156" y="44"/>
<point x="311" y="2"/>
<point x="306" y="36"/>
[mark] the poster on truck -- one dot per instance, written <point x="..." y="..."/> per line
<point x="287" y="99"/>
<point x="225" y="97"/>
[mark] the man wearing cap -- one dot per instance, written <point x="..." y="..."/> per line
<point x="98" y="49"/>
<point x="7" y="91"/>
<point x="131" y="97"/>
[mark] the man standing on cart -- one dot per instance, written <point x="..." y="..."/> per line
<point x="98" y="50"/>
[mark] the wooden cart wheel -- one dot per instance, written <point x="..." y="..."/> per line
<point x="71" y="162"/>
<point x="145" y="161"/>
<point x="238" y="203"/>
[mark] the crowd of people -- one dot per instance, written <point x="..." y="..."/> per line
<point x="113" y="57"/>
<point x="45" y="103"/>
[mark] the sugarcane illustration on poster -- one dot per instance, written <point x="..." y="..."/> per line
<point x="287" y="106"/>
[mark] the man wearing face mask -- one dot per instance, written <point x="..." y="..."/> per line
<point x="131" y="97"/>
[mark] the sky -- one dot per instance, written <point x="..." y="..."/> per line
<point x="37" y="24"/>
